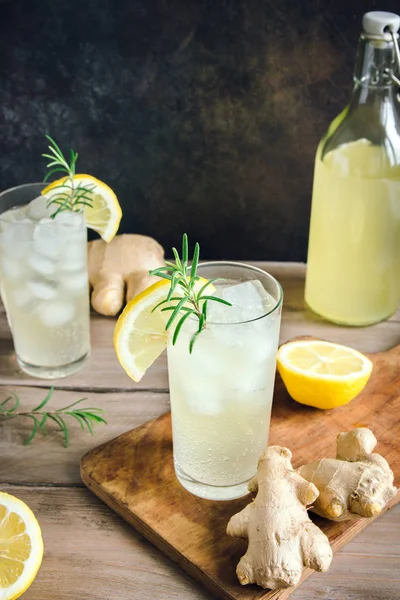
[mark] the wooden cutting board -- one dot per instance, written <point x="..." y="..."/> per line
<point x="134" y="475"/>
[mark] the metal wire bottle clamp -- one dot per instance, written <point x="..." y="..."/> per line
<point x="397" y="57"/>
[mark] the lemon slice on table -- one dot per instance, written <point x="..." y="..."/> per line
<point x="104" y="215"/>
<point x="139" y="335"/>
<point x="21" y="547"/>
<point x="322" y="374"/>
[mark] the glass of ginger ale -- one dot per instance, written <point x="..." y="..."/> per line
<point x="44" y="282"/>
<point x="221" y="392"/>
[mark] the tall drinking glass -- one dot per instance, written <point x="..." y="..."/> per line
<point x="44" y="284"/>
<point x="221" y="394"/>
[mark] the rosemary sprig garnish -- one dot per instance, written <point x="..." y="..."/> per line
<point x="86" y="417"/>
<point x="192" y="302"/>
<point x="71" y="197"/>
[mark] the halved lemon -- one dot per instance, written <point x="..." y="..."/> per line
<point x="21" y="547"/>
<point x="104" y="214"/>
<point x="322" y="374"/>
<point x="140" y="335"/>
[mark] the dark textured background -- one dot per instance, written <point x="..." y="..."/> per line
<point x="203" y="116"/>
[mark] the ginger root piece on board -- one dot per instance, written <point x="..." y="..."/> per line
<point x="125" y="261"/>
<point x="355" y="483"/>
<point x="282" y="538"/>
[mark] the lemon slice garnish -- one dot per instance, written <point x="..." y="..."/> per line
<point x="140" y="335"/>
<point x="104" y="214"/>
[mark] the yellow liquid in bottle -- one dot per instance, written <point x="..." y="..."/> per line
<point x="353" y="265"/>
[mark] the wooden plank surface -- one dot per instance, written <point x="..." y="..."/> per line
<point x="102" y="557"/>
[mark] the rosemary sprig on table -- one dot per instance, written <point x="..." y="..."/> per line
<point x="71" y="195"/>
<point x="86" y="417"/>
<point x="192" y="301"/>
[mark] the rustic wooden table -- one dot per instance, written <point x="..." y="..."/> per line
<point x="90" y="553"/>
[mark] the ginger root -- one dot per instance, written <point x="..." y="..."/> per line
<point x="282" y="538"/>
<point x="356" y="483"/>
<point x="124" y="262"/>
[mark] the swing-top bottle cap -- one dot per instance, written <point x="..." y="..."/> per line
<point x="379" y="24"/>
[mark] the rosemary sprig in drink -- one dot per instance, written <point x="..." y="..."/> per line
<point x="86" y="417"/>
<point x="71" y="196"/>
<point x="192" y="301"/>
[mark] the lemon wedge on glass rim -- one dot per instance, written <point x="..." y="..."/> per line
<point x="104" y="215"/>
<point x="140" y="335"/>
<point x="21" y="547"/>
<point x="322" y="374"/>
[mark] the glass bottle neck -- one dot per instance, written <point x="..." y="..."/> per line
<point x="375" y="64"/>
